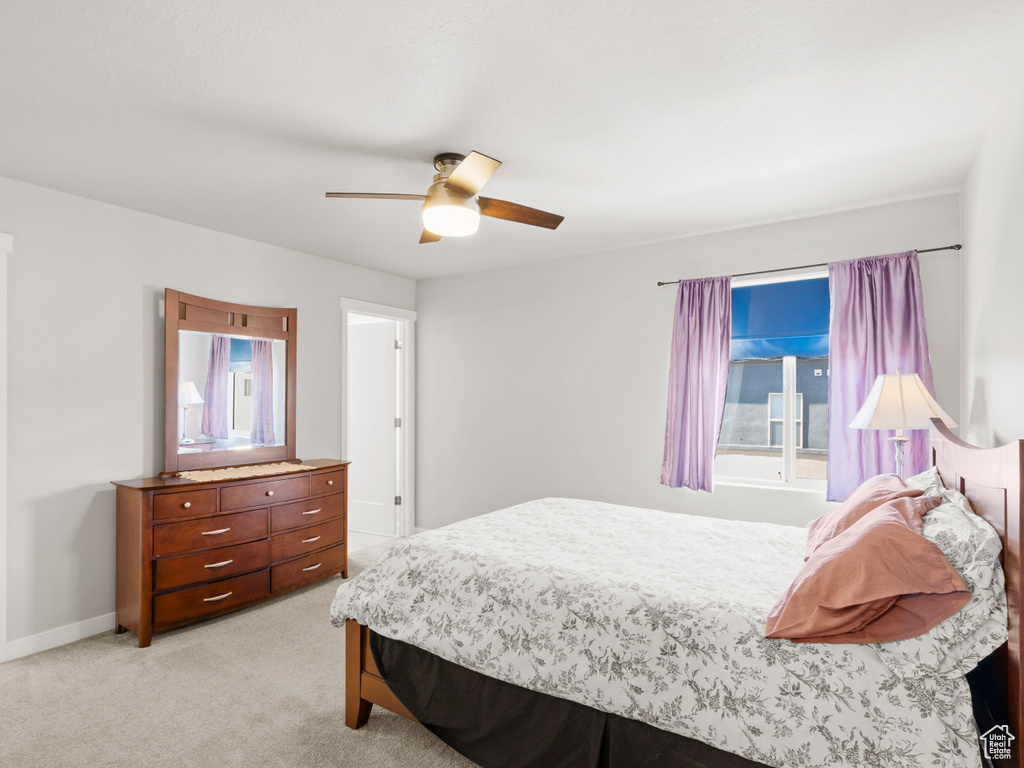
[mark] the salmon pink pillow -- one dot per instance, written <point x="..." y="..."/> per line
<point x="872" y="493"/>
<point x="878" y="580"/>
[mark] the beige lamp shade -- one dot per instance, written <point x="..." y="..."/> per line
<point x="899" y="401"/>
<point x="188" y="394"/>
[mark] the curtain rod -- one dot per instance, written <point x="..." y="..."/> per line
<point x="956" y="247"/>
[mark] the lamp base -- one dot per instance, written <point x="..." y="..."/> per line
<point x="898" y="442"/>
<point x="184" y="439"/>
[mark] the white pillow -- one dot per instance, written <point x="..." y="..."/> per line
<point x="956" y="645"/>
<point x="930" y="482"/>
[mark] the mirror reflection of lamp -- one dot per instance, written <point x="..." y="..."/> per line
<point x="187" y="395"/>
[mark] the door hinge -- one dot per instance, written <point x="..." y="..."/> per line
<point x="398" y="344"/>
<point x="398" y="422"/>
<point x="398" y="501"/>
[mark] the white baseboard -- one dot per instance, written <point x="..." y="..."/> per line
<point x="52" y="638"/>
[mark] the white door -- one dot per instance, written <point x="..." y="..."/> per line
<point x="371" y="426"/>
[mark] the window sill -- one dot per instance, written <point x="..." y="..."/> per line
<point x="800" y="486"/>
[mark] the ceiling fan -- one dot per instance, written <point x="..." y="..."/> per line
<point x="452" y="207"/>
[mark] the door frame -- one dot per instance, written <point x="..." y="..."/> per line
<point x="6" y="248"/>
<point x="405" y="485"/>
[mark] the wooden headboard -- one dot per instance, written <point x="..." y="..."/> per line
<point x="990" y="478"/>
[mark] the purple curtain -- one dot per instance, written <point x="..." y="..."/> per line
<point x="215" y="409"/>
<point x="262" y="392"/>
<point x="877" y="327"/>
<point x="698" y="375"/>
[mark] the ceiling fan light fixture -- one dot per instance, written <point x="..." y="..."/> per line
<point x="452" y="206"/>
<point x="450" y="219"/>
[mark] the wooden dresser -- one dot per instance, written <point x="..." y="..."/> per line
<point x="187" y="551"/>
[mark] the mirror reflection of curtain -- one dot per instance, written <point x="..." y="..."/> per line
<point x="215" y="412"/>
<point x="262" y="392"/>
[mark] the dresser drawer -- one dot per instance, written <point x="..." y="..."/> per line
<point x="306" y="512"/>
<point x="194" y="603"/>
<point x="173" y="572"/>
<point x="299" y="542"/>
<point x="328" y="482"/>
<point x="307" y="569"/>
<point x="184" y="504"/>
<point x="208" y="532"/>
<point x="263" y="493"/>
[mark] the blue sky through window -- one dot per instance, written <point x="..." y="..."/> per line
<point x="772" y="320"/>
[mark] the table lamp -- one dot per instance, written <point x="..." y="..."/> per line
<point x="899" y="401"/>
<point x="187" y="395"/>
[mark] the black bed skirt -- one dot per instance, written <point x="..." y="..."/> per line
<point x="500" y="725"/>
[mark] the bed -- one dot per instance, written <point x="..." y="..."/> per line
<point x="579" y="661"/>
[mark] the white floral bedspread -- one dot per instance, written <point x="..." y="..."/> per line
<point x="657" y="617"/>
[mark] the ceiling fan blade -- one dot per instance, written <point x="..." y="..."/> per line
<point x="502" y="209"/>
<point x="428" y="237"/>
<point x="376" y="196"/>
<point x="472" y="173"/>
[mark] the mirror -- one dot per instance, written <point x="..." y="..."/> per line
<point x="230" y="383"/>
<point x="218" y="376"/>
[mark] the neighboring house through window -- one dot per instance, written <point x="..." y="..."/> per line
<point x="776" y="409"/>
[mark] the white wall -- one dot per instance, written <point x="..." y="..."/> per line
<point x="551" y="379"/>
<point x="993" y="208"/>
<point x="86" y="376"/>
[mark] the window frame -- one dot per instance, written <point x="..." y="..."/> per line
<point x="782" y="419"/>
<point x="787" y="476"/>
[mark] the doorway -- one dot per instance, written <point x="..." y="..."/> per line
<point x="377" y="406"/>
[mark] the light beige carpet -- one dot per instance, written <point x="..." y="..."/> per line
<point x="259" y="687"/>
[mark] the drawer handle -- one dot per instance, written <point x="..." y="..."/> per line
<point x="219" y="565"/>
<point x="214" y="533"/>
<point x="270" y="493"/>
<point x="311" y="568"/>
<point x="310" y="541"/>
<point x="313" y="511"/>
<point x="330" y="482"/>
<point x="218" y="597"/>
<point x="187" y="504"/>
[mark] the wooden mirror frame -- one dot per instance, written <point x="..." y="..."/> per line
<point x="184" y="312"/>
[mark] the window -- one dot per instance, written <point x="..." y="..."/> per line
<point x="776" y="410"/>
<point x="241" y="403"/>
<point x="240" y="387"/>
<point x="776" y="421"/>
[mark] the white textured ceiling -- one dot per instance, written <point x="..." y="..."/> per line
<point x="637" y="121"/>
